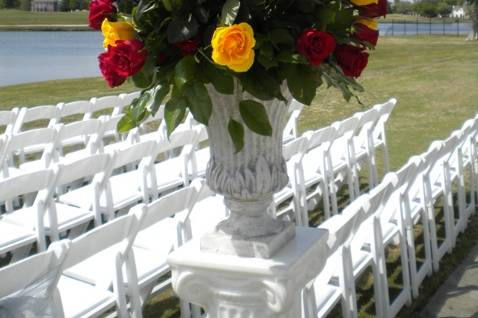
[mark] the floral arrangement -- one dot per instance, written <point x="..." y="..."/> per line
<point x="172" y="49"/>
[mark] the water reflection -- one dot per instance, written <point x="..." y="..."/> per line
<point x="39" y="56"/>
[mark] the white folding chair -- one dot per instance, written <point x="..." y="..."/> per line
<point x="153" y="128"/>
<point x="202" y="155"/>
<point x="318" y="174"/>
<point x="411" y="211"/>
<point x="29" y="287"/>
<point x="437" y="185"/>
<point x="18" y="238"/>
<point x="166" y="221"/>
<point x="342" y="159"/>
<point x="111" y="135"/>
<point x="291" y="201"/>
<point x="40" y="116"/>
<point x="106" y="252"/>
<point x="363" y="145"/>
<point x="174" y="172"/>
<point x="121" y="189"/>
<point x="63" y="219"/>
<point x="16" y="144"/>
<point x="291" y="130"/>
<point x="389" y="229"/>
<point x="74" y="111"/>
<point x="336" y="282"/>
<point x="47" y="116"/>
<point x="7" y="121"/>
<point x="68" y="145"/>
<point x="103" y="106"/>
<point x="125" y="100"/>
<point x="379" y="134"/>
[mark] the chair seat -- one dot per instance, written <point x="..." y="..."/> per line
<point x="168" y="174"/>
<point x="149" y="265"/>
<point x="68" y="217"/>
<point x="83" y="300"/>
<point x="13" y="236"/>
<point x="158" y="237"/>
<point x="126" y="190"/>
<point x="206" y="214"/>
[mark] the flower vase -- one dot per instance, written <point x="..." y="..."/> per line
<point x="247" y="179"/>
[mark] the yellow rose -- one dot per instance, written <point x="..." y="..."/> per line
<point x="114" y="31"/>
<point x="233" y="47"/>
<point x="368" y="22"/>
<point x="364" y="2"/>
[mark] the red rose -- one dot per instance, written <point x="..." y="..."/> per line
<point x="364" y="33"/>
<point x="187" y="47"/>
<point x="99" y="10"/>
<point x="351" y="59"/>
<point x="123" y="60"/>
<point x="316" y="46"/>
<point x="374" y="10"/>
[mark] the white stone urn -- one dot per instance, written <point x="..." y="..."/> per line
<point x="247" y="179"/>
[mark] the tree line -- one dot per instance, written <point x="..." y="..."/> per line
<point x="65" y="5"/>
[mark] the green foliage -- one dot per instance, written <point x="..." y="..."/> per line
<point x="165" y="26"/>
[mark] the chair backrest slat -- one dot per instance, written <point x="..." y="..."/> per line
<point x="25" y="183"/>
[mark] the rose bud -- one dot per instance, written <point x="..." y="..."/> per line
<point x="351" y="59"/>
<point x="315" y="45"/>
<point x="374" y="10"/>
<point x="125" y="59"/>
<point x="187" y="47"/>
<point x="99" y="10"/>
<point x="366" y="30"/>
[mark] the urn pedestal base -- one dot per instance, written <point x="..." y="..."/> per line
<point x="228" y="286"/>
<point x="249" y="231"/>
<point x="259" y="247"/>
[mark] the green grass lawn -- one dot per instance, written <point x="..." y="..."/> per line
<point x="434" y="80"/>
<point x="16" y="17"/>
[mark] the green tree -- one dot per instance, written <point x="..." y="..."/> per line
<point x="444" y="9"/>
<point x="473" y="11"/>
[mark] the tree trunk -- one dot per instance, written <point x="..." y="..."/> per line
<point x="474" y="21"/>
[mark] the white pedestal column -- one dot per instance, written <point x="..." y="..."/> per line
<point x="229" y="286"/>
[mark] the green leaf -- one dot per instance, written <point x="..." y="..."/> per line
<point x="301" y="83"/>
<point x="144" y="78"/>
<point x="125" y="124"/>
<point x="230" y="11"/>
<point x="288" y="57"/>
<point x="159" y="97"/>
<point x="261" y="84"/>
<point x="138" y="109"/>
<point x="255" y="117"/>
<point x="281" y="36"/>
<point x="236" y="131"/>
<point x="199" y="101"/>
<point x="184" y="71"/>
<point x="182" y="28"/>
<point x="222" y="81"/>
<point x="174" y="113"/>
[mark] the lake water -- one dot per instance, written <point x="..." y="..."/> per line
<point x="40" y="56"/>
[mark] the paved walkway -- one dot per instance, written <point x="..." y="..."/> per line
<point x="458" y="296"/>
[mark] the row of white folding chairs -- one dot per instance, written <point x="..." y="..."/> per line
<point x="115" y="266"/>
<point x="93" y="186"/>
<point x="18" y="119"/>
<point x="320" y="161"/>
<point x="387" y="216"/>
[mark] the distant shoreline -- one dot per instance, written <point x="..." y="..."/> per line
<point x="45" y="27"/>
